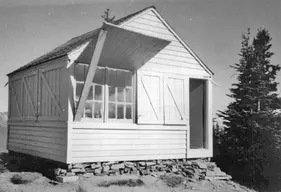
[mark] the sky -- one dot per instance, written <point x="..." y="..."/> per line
<point x="212" y="28"/>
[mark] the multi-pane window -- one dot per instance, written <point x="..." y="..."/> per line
<point x="110" y="96"/>
<point x="119" y="94"/>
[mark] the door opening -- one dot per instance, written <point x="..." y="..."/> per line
<point x="197" y="91"/>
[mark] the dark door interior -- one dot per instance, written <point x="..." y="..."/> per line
<point x="197" y="113"/>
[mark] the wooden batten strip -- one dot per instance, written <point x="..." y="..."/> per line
<point x="177" y="105"/>
<point x="50" y="90"/>
<point x="28" y="94"/>
<point x="154" y="110"/>
<point x="17" y="102"/>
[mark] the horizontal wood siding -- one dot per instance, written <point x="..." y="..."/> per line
<point x="117" y="144"/>
<point x="174" y="58"/>
<point x="44" y="141"/>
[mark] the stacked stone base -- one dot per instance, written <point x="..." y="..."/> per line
<point x="193" y="170"/>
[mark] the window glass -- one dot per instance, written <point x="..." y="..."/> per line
<point x="111" y="92"/>
<point x="120" y="111"/>
<point x="98" y="110"/>
<point x="128" y="95"/>
<point x="98" y="92"/>
<point x="120" y="94"/>
<point x="128" y="111"/>
<point x="88" y="109"/>
<point x="111" y="110"/>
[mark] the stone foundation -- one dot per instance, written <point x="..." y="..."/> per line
<point x="193" y="170"/>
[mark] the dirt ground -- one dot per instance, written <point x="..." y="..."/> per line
<point x="39" y="183"/>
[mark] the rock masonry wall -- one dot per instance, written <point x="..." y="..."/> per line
<point x="193" y="170"/>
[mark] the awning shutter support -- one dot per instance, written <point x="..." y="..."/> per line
<point x="91" y="72"/>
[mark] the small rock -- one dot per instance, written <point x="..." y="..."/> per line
<point x="78" y="170"/>
<point x="110" y="163"/>
<point x="78" y="166"/>
<point x="150" y="164"/>
<point x="127" y="170"/>
<point x="187" y="163"/>
<point x="158" y="161"/>
<point x="96" y="165"/>
<point x="129" y="164"/>
<point x="200" y="164"/>
<point x="98" y="171"/>
<point x="118" y="166"/>
<point x="142" y="163"/>
<point x="70" y="174"/>
<point x="105" y="168"/>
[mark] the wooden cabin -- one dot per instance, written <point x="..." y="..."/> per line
<point x="129" y="90"/>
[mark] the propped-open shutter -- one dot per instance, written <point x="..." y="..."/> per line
<point x="176" y="100"/>
<point x="150" y="98"/>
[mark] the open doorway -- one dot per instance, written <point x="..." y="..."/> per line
<point x="197" y="91"/>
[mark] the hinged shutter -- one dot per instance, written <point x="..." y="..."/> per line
<point x="176" y="100"/>
<point x="150" y="98"/>
<point x="49" y="103"/>
<point x="15" y="87"/>
<point x="29" y="96"/>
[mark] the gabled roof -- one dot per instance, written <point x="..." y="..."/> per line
<point x="73" y="43"/>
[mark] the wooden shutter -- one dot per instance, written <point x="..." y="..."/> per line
<point x="175" y="100"/>
<point x="49" y="105"/>
<point x="150" y="98"/>
<point x="15" y="87"/>
<point x="29" y="96"/>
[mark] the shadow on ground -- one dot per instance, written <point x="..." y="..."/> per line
<point x="23" y="163"/>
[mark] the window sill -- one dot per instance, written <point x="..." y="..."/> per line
<point x="97" y="125"/>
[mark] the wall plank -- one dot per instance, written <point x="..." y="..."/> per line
<point x="46" y="142"/>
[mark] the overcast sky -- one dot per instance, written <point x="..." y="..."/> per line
<point x="212" y="28"/>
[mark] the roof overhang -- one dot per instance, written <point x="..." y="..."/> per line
<point x="123" y="48"/>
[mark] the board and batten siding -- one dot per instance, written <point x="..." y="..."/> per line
<point x="107" y="142"/>
<point x="174" y="58"/>
<point x="38" y="111"/>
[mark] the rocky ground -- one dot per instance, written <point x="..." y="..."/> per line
<point x="171" y="178"/>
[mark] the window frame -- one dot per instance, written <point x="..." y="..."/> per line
<point x="105" y="101"/>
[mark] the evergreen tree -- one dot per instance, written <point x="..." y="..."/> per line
<point x="106" y="16"/>
<point x="252" y="129"/>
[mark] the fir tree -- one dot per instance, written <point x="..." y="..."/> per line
<point x="252" y="129"/>
<point x="107" y="17"/>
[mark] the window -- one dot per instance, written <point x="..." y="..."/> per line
<point x="111" y="94"/>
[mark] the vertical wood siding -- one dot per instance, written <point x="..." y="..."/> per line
<point x="172" y="59"/>
<point x="46" y="141"/>
<point x="48" y="108"/>
<point x="40" y="94"/>
<point x="117" y="144"/>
